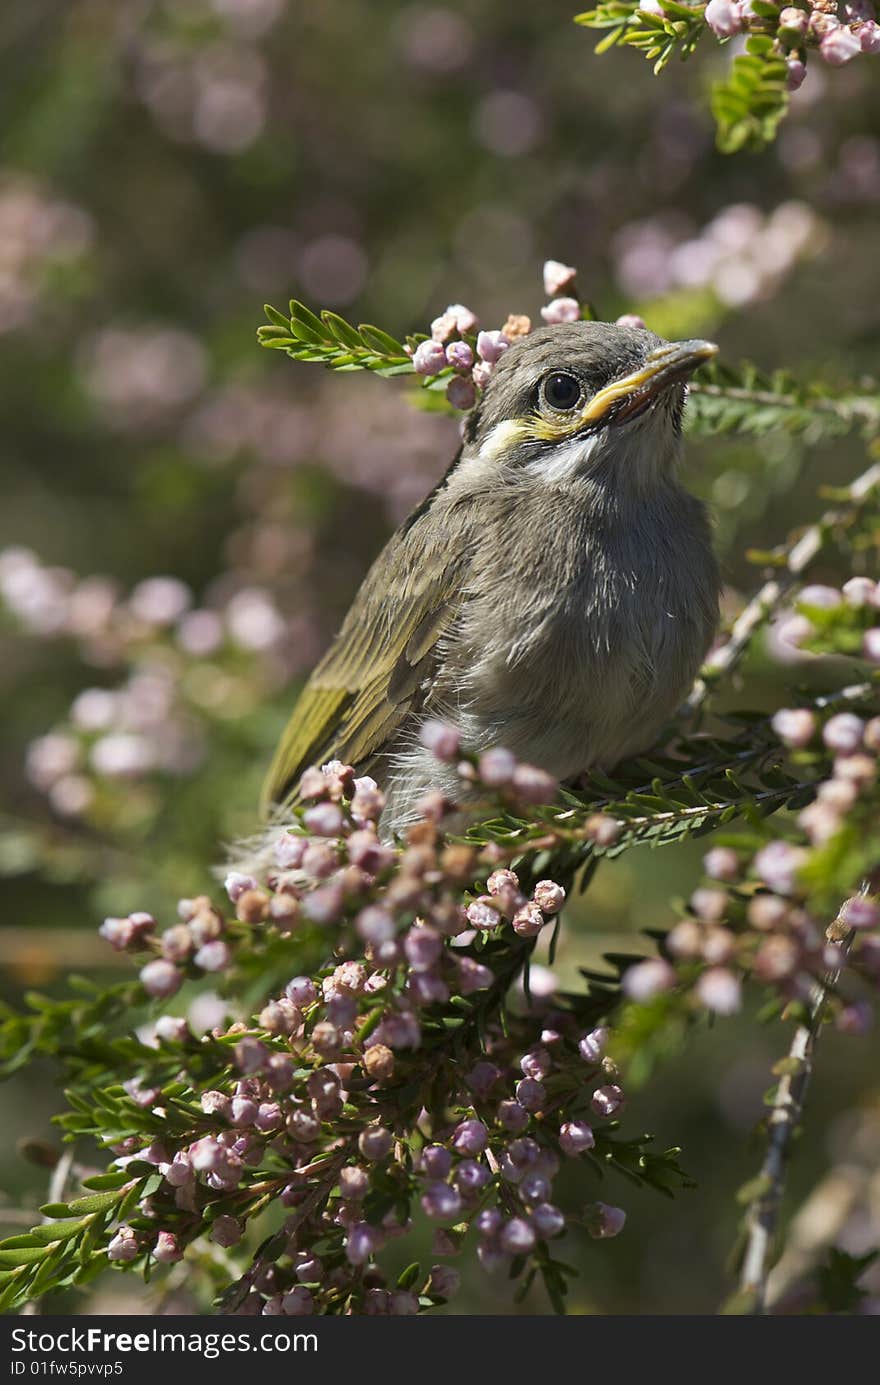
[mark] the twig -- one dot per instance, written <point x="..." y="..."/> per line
<point x="782" y="1123"/>
<point x="774" y="591"/>
<point x="847" y="408"/>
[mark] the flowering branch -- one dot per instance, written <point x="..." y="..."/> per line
<point x="749" y="105"/>
<point x="746" y="401"/>
<point x="381" y="1046"/>
<point x="795" y="558"/>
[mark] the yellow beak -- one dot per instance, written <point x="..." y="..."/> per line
<point x="622" y="399"/>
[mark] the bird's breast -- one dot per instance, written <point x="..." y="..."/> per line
<point x="579" y="652"/>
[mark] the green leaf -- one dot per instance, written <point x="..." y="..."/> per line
<point x="407" y="1278"/>
<point x="304" y="324"/>
<point x="342" y="330"/>
<point x="380" y="341"/>
<point x="278" y="319"/>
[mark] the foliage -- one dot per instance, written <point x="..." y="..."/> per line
<point x="749" y="103"/>
<point x="161" y="173"/>
<point x="351" y="1093"/>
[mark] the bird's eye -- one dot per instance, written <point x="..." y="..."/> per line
<point x="561" y="391"/>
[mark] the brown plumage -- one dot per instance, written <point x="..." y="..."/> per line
<point x="554" y="594"/>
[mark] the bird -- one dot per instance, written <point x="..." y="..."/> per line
<point x="554" y="594"/>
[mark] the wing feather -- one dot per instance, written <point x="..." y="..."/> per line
<point x="376" y="670"/>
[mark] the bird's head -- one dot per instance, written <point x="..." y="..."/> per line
<point x="583" y="397"/>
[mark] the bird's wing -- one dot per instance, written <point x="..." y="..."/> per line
<point x="373" y="673"/>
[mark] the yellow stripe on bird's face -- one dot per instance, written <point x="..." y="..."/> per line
<point x="664" y="367"/>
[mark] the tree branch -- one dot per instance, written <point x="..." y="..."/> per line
<point x="783" y="1121"/>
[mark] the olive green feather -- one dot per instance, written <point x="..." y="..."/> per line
<point x="381" y="662"/>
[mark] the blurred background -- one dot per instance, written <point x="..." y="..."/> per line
<point x="185" y="517"/>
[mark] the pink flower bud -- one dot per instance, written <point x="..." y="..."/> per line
<point x="869" y="37"/>
<point x="794" y="20"/>
<point x="533" y="785"/>
<point x="423" y="947"/>
<point x="604" y="1221"/>
<point x="607" y="1100"/>
<point x="443" y="741"/>
<point x="250" y="1055"/>
<point x="375" y="1143"/>
<point x="719" y="990"/>
<point x="871" y="644"/>
<point x="460" y="392"/>
<point x="797" y="71"/>
<point x="536" y="1063"/>
<point x="575" y="1137"/>
<point x="517" y="1237"/>
<point x="856" y="1019"/>
<point x="491" y="346"/>
<point x="709" y="905"/>
<point x="360" y="1243"/>
<point x="235" y="884"/>
<point x="213" y="956"/>
<point x="124" y="1246"/>
<point x="171" y="1029"/>
<point x="473" y="975"/>
<point x="429" y="357"/>
<point x="528" y="921"/>
<point x="721" y="863"/>
<point x="513" y="1117"/>
<point x="459" y="355"/>
<point x="481" y="374"/>
<point x="161" y="979"/>
<point x="839" y="46"/>
<point x="166" y="1250"/>
<point x="549" y="896"/>
<point x="465" y="321"/>
<point x="482" y="1078"/>
<point x="470" y="1137"/>
<point x="647" y="979"/>
<point x="602" y="829"/>
<point x="860" y="591"/>
<point x="118" y="933"/>
<point x="441" y="1202"/>
<point x="591" y="1046"/>
<point x="302" y="991"/>
<point x="483" y="916"/>
<point x="445" y="1281"/>
<point x="557" y="277"/>
<point x="821" y="595"/>
<point x="530" y="1094"/>
<point x="562" y="310"/>
<point x="289" y="851"/>
<point x="630" y="320"/>
<point x="778" y="864"/>
<point x="843" y="732"/>
<point x="795" y="726"/>
<point x="443" y="327"/>
<point x="324" y="819"/>
<point x="859" y="912"/>
<point x="723" y="18"/>
<point x="226" y="1231"/>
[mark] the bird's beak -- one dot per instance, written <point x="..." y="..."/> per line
<point x="623" y="399"/>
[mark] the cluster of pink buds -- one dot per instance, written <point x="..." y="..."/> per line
<point x="840" y="32"/>
<point x="458" y="346"/>
<point x="831" y="620"/>
<point x="406" y="1078"/>
<point x="754" y="916"/>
